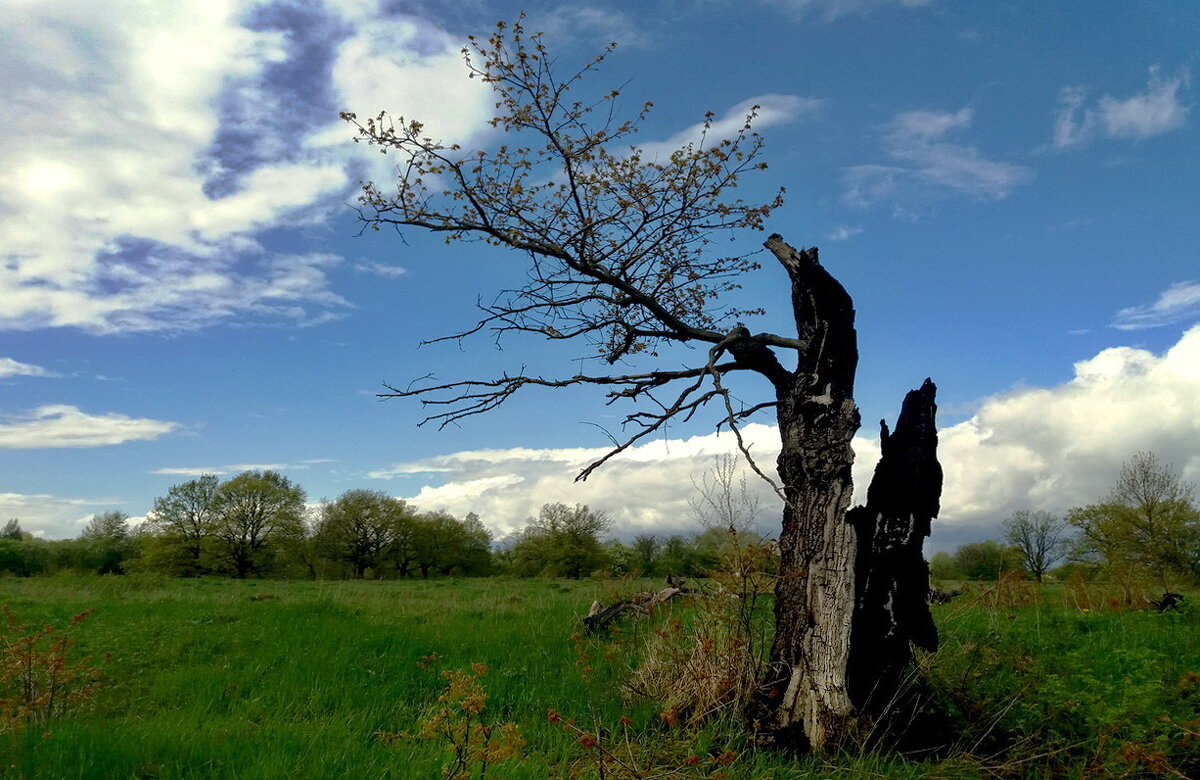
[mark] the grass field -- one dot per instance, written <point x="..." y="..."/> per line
<point x="212" y="678"/>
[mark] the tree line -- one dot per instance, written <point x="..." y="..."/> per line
<point x="1145" y="530"/>
<point x="256" y="524"/>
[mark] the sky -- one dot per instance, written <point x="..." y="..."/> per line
<point x="1009" y="191"/>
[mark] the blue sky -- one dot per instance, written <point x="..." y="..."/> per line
<point x="1008" y="190"/>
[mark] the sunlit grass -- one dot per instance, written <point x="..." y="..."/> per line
<point x="216" y="678"/>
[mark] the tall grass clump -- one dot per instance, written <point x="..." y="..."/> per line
<point x="709" y="661"/>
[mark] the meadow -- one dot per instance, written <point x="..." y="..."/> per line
<point x="258" y="679"/>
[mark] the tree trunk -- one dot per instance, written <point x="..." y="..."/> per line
<point x="816" y="678"/>
<point x="891" y="575"/>
<point x="814" y="592"/>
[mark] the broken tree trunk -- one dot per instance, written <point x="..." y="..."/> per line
<point x="814" y="592"/>
<point x="891" y="575"/>
<point x="810" y="699"/>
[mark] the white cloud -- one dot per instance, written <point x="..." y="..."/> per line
<point x="596" y="25"/>
<point x="1072" y="124"/>
<point x="1053" y="448"/>
<point x="931" y="166"/>
<point x="10" y="367"/>
<point x="1178" y="303"/>
<point x="772" y="110"/>
<point x="1157" y="110"/>
<point x="62" y="426"/>
<point x="235" y="468"/>
<point x="1030" y="448"/>
<point x="181" y="131"/>
<point x="833" y="9"/>
<point x="380" y="269"/>
<point x="645" y="489"/>
<point x="52" y="517"/>
<point x="842" y="233"/>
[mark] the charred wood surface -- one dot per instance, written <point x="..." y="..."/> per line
<point x="891" y="609"/>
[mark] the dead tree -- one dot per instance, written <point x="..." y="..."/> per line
<point x="618" y="256"/>
<point x="891" y="576"/>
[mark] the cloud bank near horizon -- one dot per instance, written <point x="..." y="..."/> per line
<point x="1028" y="448"/>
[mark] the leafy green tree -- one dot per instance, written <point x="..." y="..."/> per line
<point x="942" y="566"/>
<point x="359" y="528"/>
<point x="404" y="549"/>
<point x="646" y="551"/>
<point x="184" y="521"/>
<point x="27" y="557"/>
<point x="562" y="541"/>
<point x="434" y="542"/>
<point x="12" y="530"/>
<point x="986" y="560"/>
<point x="1039" y="536"/>
<point x="445" y="544"/>
<point x="256" y="511"/>
<point x="108" y="542"/>
<point x="680" y="557"/>
<point x="620" y="559"/>
<point x="1147" y="526"/>
<point x="474" y="554"/>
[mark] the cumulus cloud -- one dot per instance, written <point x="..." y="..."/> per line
<point x="10" y="367"/>
<point x="52" y="517"/>
<point x="930" y="165"/>
<point x="1029" y="448"/>
<point x="63" y="426"/>
<point x="1157" y="110"/>
<point x="180" y="134"/>
<point x="772" y="110"/>
<point x="1178" y="303"/>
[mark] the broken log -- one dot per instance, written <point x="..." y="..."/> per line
<point x="600" y="617"/>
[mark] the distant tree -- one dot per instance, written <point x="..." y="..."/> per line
<point x="1040" y="538"/>
<point x="359" y="528"/>
<point x="107" y="542"/>
<point x="184" y="521"/>
<point x="446" y="545"/>
<point x="255" y="511"/>
<point x="1148" y="524"/>
<point x="475" y="547"/>
<point x="435" y="541"/>
<point x="722" y="499"/>
<point x="403" y="552"/>
<point x="12" y="530"/>
<point x="986" y="560"/>
<point x="25" y="557"/>
<point x="646" y="549"/>
<point x="942" y="566"/>
<point x="111" y="525"/>
<point x="562" y="541"/>
<point x="619" y="559"/>
<point x="679" y="557"/>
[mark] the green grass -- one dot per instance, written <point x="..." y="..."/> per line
<point x="206" y="680"/>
